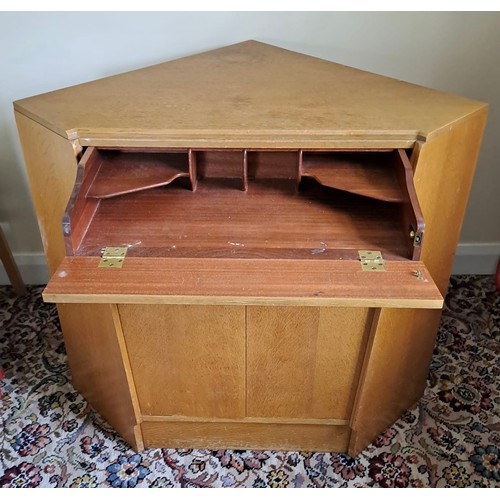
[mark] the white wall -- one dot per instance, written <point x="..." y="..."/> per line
<point x="454" y="52"/>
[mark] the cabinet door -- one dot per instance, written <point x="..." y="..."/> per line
<point x="187" y="360"/>
<point x="304" y="362"/>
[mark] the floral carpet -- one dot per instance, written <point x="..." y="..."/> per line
<point x="49" y="437"/>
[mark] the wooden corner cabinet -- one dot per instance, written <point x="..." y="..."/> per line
<point x="249" y="247"/>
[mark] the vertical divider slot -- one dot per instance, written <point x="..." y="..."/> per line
<point x="193" y="175"/>
<point x="245" y="170"/>
<point x="411" y="213"/>
<point x="299" y="168"/>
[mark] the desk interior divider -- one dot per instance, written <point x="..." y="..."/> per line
<point x="349" y="183"/>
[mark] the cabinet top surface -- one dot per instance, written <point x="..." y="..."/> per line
<point x="247" y="95"/>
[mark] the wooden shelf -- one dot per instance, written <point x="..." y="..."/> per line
<point x="128" y="172"/>
<point x="366" y="174"/>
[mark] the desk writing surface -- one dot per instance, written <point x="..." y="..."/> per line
<point x="249" y="93"/>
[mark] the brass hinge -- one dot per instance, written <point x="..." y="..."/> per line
<point x="113" y="257"/>
<point x="371" y="260"/>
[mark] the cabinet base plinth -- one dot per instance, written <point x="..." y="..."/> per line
<point x="246" y="436"/>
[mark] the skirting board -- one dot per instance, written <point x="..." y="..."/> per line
<point x="471" y="258"/>
<point x="32" y="266"/>
<point x="476" y="258"/>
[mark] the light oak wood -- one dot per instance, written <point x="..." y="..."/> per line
<point x="245" y="436"/>
<point x="394" y="371"/>
<point x="443" y="178"/>
<point x="243" y="281"/>
<point x="260" y="97"/>
<point x="96" y="360"/>
<point x="187" y="360"/>
<point x="99" y="365"/>
<point x="304" y="361"/>
<point x="443" y="173"/>
<point x="248" y="95"/>
<point x="51" y="166"/>
<point x="253" y="420"/>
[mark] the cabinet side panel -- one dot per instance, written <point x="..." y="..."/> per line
<point x="51" y="166"/>
<point x="401" y="345"/>
<point x="443" y="176"/>
<point x="303" y="361"/>
<point x="394" y="371"/>
<point x="98" y="363"/>
<point x="187" y="360"/>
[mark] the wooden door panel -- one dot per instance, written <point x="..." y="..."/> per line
<point x="187" y="360"/>
<point x="303" y="362"/>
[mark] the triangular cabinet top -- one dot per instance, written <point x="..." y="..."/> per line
<point x="248" y="95"/>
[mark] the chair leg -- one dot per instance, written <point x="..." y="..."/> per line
<point x="497" y="276"/>
<point x="10" y="266"/>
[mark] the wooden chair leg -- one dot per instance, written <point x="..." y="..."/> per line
<point x="497" y="276"/>
<point x="10" y="266"/>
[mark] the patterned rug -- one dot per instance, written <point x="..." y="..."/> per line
<point x="49" y="437"/>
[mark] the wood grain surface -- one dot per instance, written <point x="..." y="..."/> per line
<point x="99" y="365"/>
<point x="443" y="177"/>
<point x="10" y="266"/>
<point x="303" y="361"/>
<point x="368" y="174"/>
<point x="245" y="435"/>
<point x="394" y="371"/>
<point x="51" y="167"/>
<point x="187" y="360"/>
<point x="412" y="220"/>
<point x="261" y="244"/>
<point x="248" y="95"/>
<point x="220" y="219"/>
<point x="122" y="173"/>
<point x="243" y="281"/>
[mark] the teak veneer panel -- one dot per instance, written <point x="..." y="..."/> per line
<point x="126" y="173"/>
<point x="248" y="95"/>
<point x="367" y="174"/>
<point x="242" y="281"/>
<point x="302" y="216"/>
<point x="223" y="221"/>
